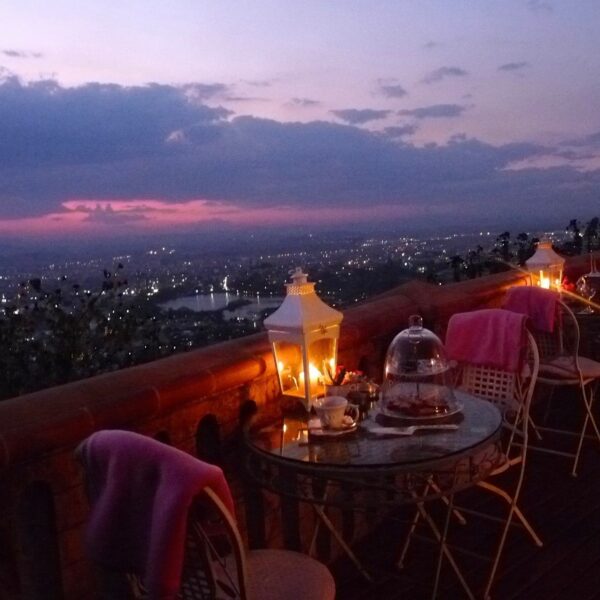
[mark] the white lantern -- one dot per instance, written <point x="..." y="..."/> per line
<point x="304" y="332"/>
<point x="547" y="266"/>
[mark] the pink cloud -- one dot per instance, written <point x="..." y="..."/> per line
<point x="101" y="218"/>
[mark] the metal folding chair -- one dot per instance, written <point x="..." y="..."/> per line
<point x="511" y="393"/>
<point x="215" y="564"/>
<point x="562" y="366"/>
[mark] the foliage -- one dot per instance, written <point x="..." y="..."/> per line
<point x="61" y="333"/>
<point x="53" y="336"/>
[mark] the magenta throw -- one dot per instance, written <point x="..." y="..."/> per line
<point x="141" y="491"/>
<point x="491" y="337"/>
<point x="539" y="304"/>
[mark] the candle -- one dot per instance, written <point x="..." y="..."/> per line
<point x="315" y="376"/>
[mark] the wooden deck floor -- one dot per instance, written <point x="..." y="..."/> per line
<point x="564" y="510"/>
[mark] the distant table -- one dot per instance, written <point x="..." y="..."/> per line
<point x="361" y="471"/>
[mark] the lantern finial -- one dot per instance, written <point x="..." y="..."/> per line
<point x="298" y="277"/>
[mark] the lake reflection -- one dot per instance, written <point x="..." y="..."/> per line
<point x="218" y="301"/>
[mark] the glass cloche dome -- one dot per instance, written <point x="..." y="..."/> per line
<point x="415" y="375"/>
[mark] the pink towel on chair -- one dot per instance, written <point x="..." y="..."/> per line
<point x="141" y="491"/>
<point x="491" y="337"/>
<point x="535" y="302"/>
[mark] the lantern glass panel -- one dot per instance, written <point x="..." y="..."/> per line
<point x="292" y="373"/>
<point x="290" y="367"/>
<point x="550" y="278"/>
<point x="322" y="362"/>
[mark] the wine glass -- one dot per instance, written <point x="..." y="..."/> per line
<point x="586" y="289"/>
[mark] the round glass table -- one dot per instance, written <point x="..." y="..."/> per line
<point x="363" y="468"/>
<point x="373" y="468"/>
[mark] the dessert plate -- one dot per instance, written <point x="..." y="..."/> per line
<point x="432" y="399"/>
<point x="452" y="408"/>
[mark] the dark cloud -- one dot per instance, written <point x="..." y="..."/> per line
<point x="399" y="131"/>
<point x="359" y="116"/>
<point x="592" y="140"/>
<point x="106" y="215"/>
<point x="42" y="123"/>
<point x="244" y="99"/>
<point x="303" y="102"/>
<point x="391" y="89"/>
<point x="100" y="141"/>
<point x="444" y="73"/>
<point x="540" y="6"/>
<point x="21" y="54"/>
<point x="435" y="111"/>
<point x="513" y="66"/>
<point x="431" y="44"/>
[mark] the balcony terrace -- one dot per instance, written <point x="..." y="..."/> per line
<point x="198" y="402"/>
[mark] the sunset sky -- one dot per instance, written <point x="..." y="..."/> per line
<point x="151" y="116"/>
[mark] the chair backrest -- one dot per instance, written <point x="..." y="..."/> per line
<point x="563" y="341"/>
<point x="510" y="391"/>
<point x="149" y="503"/>
<point x="553" y="325"/>
<point x="214" y="562"/>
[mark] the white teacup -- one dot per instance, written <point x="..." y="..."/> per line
<point x="331" y="410"/>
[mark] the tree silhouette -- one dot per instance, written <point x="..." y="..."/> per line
<point x="503" y="245"/>
<point x="457" y="265"/>
<point x="591" y="234"/>
<point x="474" y="263"/>
<point x="577" y="242"/>
<point x="525" y="247"/>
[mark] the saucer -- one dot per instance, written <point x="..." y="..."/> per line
<point x="315" y="428"/>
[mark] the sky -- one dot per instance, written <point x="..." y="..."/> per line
<point x="144" y="117"/>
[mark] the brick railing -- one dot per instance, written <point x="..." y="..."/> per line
<point x="193" y="401"/>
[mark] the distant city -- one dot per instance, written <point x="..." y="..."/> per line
<point x="74" y="318"/>
<point x="168" y="274"/>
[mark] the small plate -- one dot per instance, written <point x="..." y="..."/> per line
<point x="315" y="428"/>
<point x="454" y="407"/>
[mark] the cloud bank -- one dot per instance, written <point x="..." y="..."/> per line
<point x="164" y="143"/>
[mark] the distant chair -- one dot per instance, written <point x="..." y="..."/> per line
<point x="556" y="330"/>
<point x="161" y="527"/>
<point x="497" y="361"/>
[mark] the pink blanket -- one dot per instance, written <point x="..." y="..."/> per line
<point x="535" y="302"/>
<point x="491" y="337"/>
<point x="141" y="491"/>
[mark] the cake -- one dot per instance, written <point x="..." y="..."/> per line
<point x="426" y="400"/>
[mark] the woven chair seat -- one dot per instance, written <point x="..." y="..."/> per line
<point x="278" y="574"/>
<point x="563" y="367"/>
